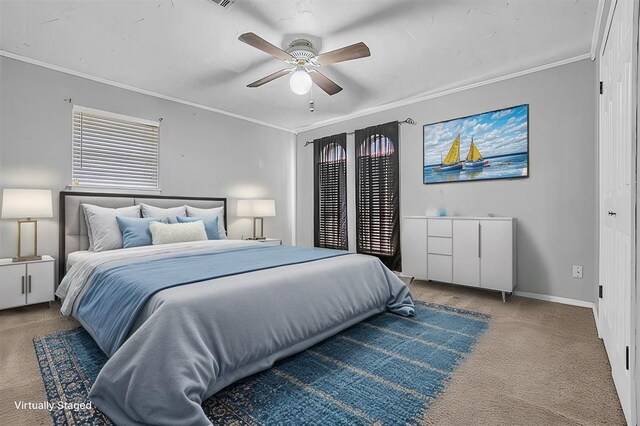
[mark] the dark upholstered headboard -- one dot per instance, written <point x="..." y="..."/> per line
<point x="73" y="227"/>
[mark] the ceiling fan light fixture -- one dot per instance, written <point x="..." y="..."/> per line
<point x="300" y="82"/>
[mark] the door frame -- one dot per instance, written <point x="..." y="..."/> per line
<point x="635" y="317"/>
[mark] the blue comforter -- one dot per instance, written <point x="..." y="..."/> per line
<point x="183" y="343"/>
<point x="116" y="294"/>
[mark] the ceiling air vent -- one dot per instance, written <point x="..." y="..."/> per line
<point x="224" y="3"/>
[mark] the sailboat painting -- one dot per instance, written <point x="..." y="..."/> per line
<point x="491" y="145"/>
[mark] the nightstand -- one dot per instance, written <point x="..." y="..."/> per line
<point x="270" y="241"/>
<point x="26" y="283"/>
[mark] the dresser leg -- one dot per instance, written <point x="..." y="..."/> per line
<point x="504" y="297"/>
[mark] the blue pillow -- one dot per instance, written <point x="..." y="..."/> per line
<point x="135" y="231"/>
<point x="210" y="225"/>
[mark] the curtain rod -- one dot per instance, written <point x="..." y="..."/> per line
<point x="407" y="121"/>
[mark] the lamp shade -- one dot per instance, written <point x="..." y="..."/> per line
<point x="256" y="208"/>
<point x="26" y="203"/>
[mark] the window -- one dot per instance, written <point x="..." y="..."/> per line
<point x="331" y="192"/>
<point x="378" y="193"/>
<point x="115" y="151"/>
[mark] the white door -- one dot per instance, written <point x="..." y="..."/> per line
<point x="414" y="247"/>
<point x="466" y="252"/>
<point x="496" y="255"/>
<point x="40" y="282"/>
<point x="12" y="286"/>
<point x="617" y="199"/>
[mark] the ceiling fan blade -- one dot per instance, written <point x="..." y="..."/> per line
<point x="270" y="77"/>
<point x="259" y="43"/>
<point x="324" y="82"/>
<point x="355" y="51"/>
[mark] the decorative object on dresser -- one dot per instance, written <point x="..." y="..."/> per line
<point x="26" y="283"/>
<point x="27" y="205"/>
<point x="258" y="210"/>
<point x="466" y="250"/>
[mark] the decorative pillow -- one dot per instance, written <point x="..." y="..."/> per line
<point x="172" y="212"/>
<point x="162" y="233"/>
<point x="210" y="225"/>
<point x="217" y="211"/>
<point x="102" y="226"/>
<point x="135" y="231"/>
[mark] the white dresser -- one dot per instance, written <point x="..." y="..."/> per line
<point x="472" y="251"/>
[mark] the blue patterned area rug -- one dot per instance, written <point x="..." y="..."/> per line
<point x="385" y="370"/>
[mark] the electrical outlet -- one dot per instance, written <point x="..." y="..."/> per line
<point x="577" y="271"/>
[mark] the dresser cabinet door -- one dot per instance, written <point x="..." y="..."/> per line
<point x="12" y="286"/>
<point x="496" y="255"/>
<point x="466" y="252"/>
<point x="414" y="248"/>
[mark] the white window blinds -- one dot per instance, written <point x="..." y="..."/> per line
<point x="112" y="150"/>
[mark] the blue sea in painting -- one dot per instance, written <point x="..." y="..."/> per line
<point x="508" y="166"/>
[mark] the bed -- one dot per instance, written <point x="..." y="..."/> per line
<point x="182" y="321"/>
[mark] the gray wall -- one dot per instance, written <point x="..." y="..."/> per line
<point x="201" y="153"/>
<point x="555" y="207"/>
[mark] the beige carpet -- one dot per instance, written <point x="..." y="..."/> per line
<point x="539" y="363"/>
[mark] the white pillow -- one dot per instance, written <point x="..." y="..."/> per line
<point x="162" y="233"/>
<point x="152" y="211"/>
<point x="216" y="211"/>
<point x="102" y="226"/>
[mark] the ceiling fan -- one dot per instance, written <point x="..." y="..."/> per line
<point x="303" y="60"/>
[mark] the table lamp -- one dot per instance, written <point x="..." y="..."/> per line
<point x="26" y="205"/>
<point x="258" y="210"/>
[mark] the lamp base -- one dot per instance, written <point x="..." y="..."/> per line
<point x="26" y="258"/>
<point x="257" y="238"/>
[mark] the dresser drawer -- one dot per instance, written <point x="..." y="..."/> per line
<point x="439" y="245"/>
<point x="440" y="267"/>
<point x="439" y="228"/>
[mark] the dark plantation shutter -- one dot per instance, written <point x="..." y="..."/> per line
<point x="330" y="212"/>
<point x="378" y="193"/>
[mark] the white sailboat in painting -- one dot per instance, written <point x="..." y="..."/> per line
<point x="474" y="160"/>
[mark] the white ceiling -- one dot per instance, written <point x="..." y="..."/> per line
<point x="188" y="49"/>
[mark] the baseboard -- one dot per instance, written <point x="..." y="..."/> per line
<point x="597" y="320"/>
<point x="556" y="299"/>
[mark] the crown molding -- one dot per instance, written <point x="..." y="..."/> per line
<point x="438" y="94"/>
<point x="361" y="113"/>
<point x="36" y="62"/>
<point x="596" y="29"/>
